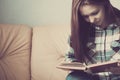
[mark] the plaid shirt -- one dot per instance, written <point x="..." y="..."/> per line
<point x="105" y="46"/>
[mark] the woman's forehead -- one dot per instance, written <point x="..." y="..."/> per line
<point x="88" y="9"/>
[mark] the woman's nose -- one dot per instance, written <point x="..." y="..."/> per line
<point x="91" y="19"/>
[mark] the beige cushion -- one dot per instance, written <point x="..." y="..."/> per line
<point x="49" y="45"/>
<point x="15" y="42"/>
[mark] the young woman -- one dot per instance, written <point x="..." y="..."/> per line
<point x="95" y="37"/>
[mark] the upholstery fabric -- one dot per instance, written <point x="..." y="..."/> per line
<point x="15" y="44"/>
<point x="49" y="45"/>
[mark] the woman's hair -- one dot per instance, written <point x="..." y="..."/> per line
<point x="80" y="29"/>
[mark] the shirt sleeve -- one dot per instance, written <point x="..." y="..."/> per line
<point x="69" y="56"/>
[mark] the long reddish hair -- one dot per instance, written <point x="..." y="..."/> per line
<point x="81" y="30"/>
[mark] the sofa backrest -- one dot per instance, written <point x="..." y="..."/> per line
<point x="15" y="45"/>
<point x="32" y="53"/>
<point x="49" y="45"/>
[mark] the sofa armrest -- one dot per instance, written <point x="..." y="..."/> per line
<point x="15" y="45"/>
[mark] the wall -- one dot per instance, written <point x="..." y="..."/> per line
<point x="37" y="12"/>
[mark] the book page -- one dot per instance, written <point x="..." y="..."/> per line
<point x="103" y="67"/>
<point x="94" y="68"/>
<point x="72" y="66"/>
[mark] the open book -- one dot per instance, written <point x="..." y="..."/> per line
<point x="99" y="67"/>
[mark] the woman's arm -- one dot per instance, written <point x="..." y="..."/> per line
<point x="69" y="56"/>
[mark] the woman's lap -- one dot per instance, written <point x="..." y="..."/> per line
<point x="80" y="75"/>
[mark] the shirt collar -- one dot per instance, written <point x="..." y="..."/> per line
<point x="110" y="27"/>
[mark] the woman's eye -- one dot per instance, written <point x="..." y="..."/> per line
<point x="85" y="17"/>
<point x="95" y="13"/>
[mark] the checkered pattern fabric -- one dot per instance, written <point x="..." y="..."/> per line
<point x="105" y="46"/>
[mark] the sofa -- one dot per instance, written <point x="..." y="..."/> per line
<point x="32" y="52"/>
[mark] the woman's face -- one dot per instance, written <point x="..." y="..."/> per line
<point x="94" y="14"/>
